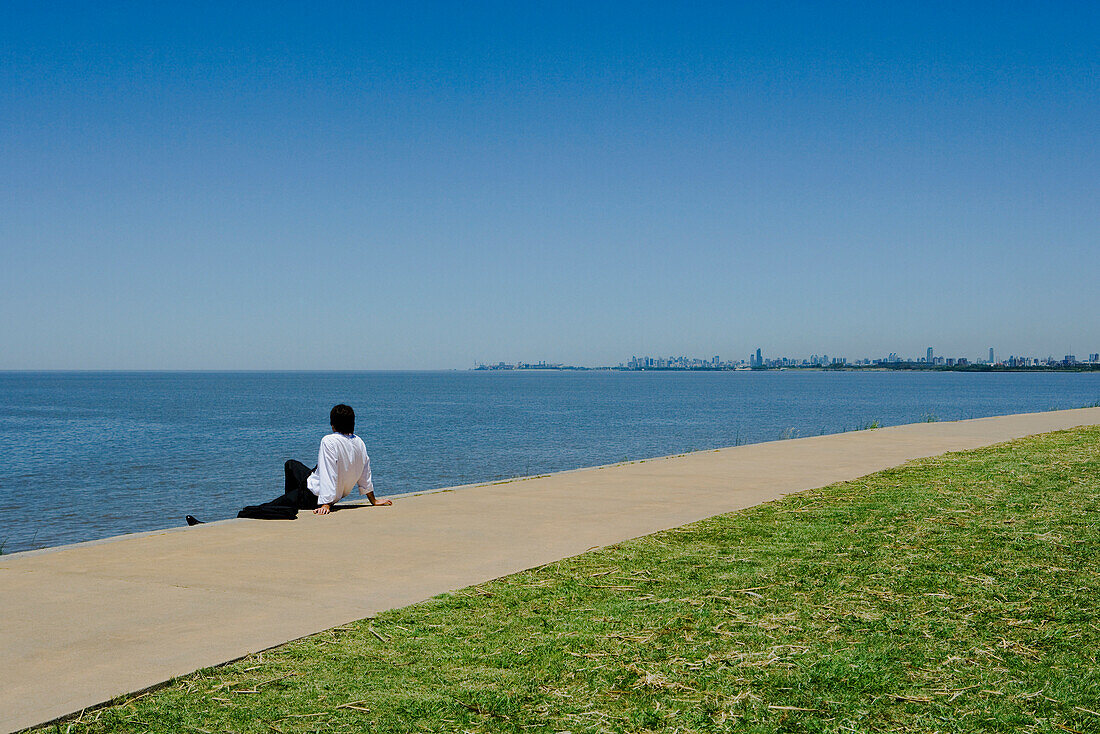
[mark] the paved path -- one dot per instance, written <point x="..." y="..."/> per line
<point x="84" y="623"/>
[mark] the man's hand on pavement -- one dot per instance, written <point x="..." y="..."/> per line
<point x="322" y="510"/>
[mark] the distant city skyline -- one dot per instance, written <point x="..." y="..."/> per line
<point x="759" y="358"/>
<point x="421" y="185"/>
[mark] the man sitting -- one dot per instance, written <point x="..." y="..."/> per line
<point x="342" y="463"/>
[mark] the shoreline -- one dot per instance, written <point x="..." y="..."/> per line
<point x="871" y="424"/>
<point x="89" y="623"/>
<point x="778" y="612"/>
<point x="366" y="503"/>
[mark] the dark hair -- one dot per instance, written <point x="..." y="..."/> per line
<point x="342" y="419"/>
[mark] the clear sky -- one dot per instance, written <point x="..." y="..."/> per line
<point x="406" y="185"/>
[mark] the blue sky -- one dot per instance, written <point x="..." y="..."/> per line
<point x="411" y="186"/>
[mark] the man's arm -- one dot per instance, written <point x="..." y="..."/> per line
<point x="326" y="509"/>
<point x="373" y="501"/>
<point x="326" y="476"/>
<point x="366" y="485"/>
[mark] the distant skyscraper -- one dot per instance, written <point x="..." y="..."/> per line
<point x="758" y="361"/>
<point x="991" y="355"/>
<point x="929" y="359"/>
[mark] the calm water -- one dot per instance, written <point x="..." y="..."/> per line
<point x="89" y="455"/>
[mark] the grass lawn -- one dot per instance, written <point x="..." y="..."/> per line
<point x="959" y="593"/>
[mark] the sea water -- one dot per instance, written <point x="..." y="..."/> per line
<point x="89" y="455"/>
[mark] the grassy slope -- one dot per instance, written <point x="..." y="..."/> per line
<point x="958" y="593"/>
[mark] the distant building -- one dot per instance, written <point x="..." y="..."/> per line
<point x="991" y="356"/>
<point x="928" y="359"/>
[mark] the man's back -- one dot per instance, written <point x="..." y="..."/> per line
<point x="342" y="462"/>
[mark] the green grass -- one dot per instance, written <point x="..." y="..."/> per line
<point x="958" y="593"/>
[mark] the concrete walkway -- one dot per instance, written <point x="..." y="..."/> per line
<point x="84" y="623"/>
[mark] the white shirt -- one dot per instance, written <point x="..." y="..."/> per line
<point x="342" y="462"/>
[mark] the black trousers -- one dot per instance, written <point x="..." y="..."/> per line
<point x="296" y="496"/>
